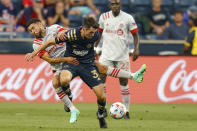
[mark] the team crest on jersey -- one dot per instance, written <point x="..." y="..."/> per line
<point x="74" y="46"/>
<point x="89" y="45"/>
<point x="120" y="32"/>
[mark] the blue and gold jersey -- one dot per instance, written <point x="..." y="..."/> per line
<point x="191" y="41"/>
<point x="76" y="46"/>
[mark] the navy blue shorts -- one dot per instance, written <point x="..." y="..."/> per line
<point x="87" y="72"/>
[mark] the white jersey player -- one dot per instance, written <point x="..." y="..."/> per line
<point x="54" y="51"/>
<point x="116" y="27"/>
<point x="53" y="55"/>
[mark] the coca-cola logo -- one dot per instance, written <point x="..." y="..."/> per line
<point x="33" y="83"/>
<point x="178" y="82"/>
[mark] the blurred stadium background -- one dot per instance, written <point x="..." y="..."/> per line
<point x="165" y="101"/>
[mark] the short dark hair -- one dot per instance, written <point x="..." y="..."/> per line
<point x="90" y="22"/>
<point x="194" y="19"/>
<point x="32" y="21"/>
<point x="178" y="11"/>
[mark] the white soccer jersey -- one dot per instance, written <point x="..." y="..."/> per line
<point x="55" y="51"/>
<point x="116" y="35"/>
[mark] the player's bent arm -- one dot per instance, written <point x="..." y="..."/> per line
<point x="44" y="46"/>
<point x="50" y="60"/>
<point x="136" y="40"/>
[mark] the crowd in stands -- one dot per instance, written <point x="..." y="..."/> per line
<point x="48" y="11"/>
<point x="157" y="19"/>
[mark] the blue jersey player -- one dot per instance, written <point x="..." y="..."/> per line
<point x="80" y="44"/>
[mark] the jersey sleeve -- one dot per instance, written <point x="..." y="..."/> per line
<point x="101" y="23"/>
<point x="71" y="35"/>
<point x="132" y="25"/>
<point x="189" y="38"/>
<point x="36" y="45"/>
<point x="57" y="27"/>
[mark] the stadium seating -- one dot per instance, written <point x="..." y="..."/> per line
<point x="168" y="5"/>
<point x="125" y="6"/>
<point x="17" y="4"/>
<point x="102" y="5"/>
<point x="183" y="4"/>
<point x="139" y="6"/>
<point x="75" y="20"/>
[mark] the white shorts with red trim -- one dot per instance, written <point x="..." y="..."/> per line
<point x="125" y="65"/>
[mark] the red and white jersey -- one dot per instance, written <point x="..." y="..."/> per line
<point x="55" y="51"/>
<point x="116" y="31"/>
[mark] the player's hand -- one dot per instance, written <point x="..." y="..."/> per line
<point x="29" y="57"/>
<point x="96" y="56"/>
<point x="135" y="54"/>
<point x="71" y="60"/>
<point x="61" y="35"/>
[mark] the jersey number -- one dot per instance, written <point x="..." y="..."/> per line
<point x="95" y="74"/>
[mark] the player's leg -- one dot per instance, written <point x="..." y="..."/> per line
<point x="90" y="75"/>
<point x="125" y="65"/>
<point x="114" y="72"/>
<point x="101" y="101"/>
<point x="102" y="67"/>
<point x="66" y="76"/>
<point x="67" y="90"/>
<point x="62" y="95"/>
<point x="125" y="95"/>
<point x="120" y="73"/>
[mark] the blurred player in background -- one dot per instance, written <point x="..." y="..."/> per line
<point x="54" y="56"/>
<point x="115" y="27"/>
<point x="190" y="46"/>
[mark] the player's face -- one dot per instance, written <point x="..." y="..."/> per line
<point x="178" y="17"/>
<point x="115" y="6"/>
<point x="36" y="30"/>
<point x="89" y="33"/>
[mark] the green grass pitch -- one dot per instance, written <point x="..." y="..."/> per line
<point x="51" y="117"/>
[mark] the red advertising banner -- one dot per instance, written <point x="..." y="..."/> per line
<point x="169" y="79"/>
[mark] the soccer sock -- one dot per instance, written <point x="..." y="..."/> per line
<point x="119" y="73"/>
<point x="67" y="90"/>
<point x="64" y="98"/>
<point x="104" y="88"/>
<point x="125" y="96"/>
<point x="101" y="106"/>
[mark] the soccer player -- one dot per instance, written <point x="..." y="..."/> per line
<point x="54" y="56"/>
<point x="115" y="26"/>
<point x="80" y="45"/>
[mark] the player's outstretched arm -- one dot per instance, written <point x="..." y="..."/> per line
<point x="50" y="60"/>
<point x="30" y="56"/>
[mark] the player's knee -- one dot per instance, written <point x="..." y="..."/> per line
<point x="55" y="82"/>
<point x="123" y="82"/>
<point x="65" y="78"/>
<point x="101" y="68"/>
<point x="65" y="81"/>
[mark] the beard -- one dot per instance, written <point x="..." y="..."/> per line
<point x="39" y="35"/>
